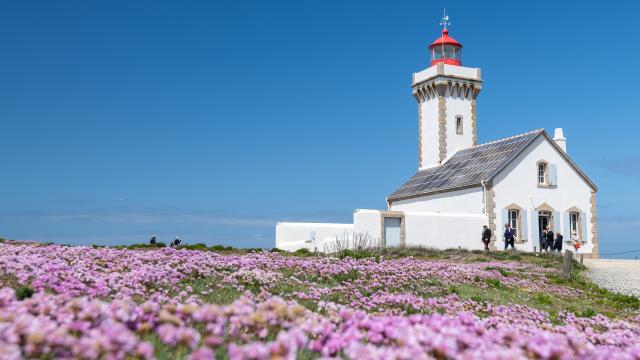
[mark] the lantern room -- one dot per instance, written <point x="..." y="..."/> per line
<point x="446" y="50"/>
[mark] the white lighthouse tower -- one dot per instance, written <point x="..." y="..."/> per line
<point x="446" y="93"/>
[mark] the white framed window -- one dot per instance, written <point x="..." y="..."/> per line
<point x="574" y="225"/>
<point x="512" y="219"/>
<point x="459" y="125"/>
<point x="543" y="173"/>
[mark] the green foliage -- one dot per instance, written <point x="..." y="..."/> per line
<point x="364" y="253"/>
<point x="349" y="276"/>
<point x="494" y="283"/>
<point x="221" y="248"/>
<point x="541" y="298"/>
<point x="587" y="313"/>
<point x="143" y="246"/>
<point x="198" y="246"/>
<point x="276" y="250"/>
<point x="504" y="272"/>
<point x="23" y="292"/>
<point x="302" y="252"/>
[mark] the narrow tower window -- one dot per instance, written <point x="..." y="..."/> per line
<point x="459" y="129"/>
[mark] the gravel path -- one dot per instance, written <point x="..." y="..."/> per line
<point x="621" y="276"/>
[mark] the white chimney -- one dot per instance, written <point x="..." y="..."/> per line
<point x="559" y="138"/>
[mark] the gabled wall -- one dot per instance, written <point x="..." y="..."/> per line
<point x="518" y="184"/>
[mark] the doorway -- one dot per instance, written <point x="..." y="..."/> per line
<point x="392" y="234"/>
<point x="544" y="221"/>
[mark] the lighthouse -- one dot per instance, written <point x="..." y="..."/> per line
<point x="446" y="93"/>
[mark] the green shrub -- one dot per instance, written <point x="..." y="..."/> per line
<point x="495" y="283"/>
<point x="198" y="246"/>
<point x="276" y="250"/>
<point x="144" y="246"/>
<point x="302" y="252"/>
<point x="220" y="248"/>
<point x="504" y="272"/>
<point x="543" y="299"/>
<point x="587" y="313"/>
<point x="23" y="292"/>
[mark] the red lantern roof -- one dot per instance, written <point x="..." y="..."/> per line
<point x="445" y="39"/>
<point x="446" y="50"/>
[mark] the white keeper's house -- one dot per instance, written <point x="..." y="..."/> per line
<point x="527" y="180"/>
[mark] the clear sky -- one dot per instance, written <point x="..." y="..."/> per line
<point x="212" y="120"/>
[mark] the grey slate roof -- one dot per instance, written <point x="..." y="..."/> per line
<point x="466" y="167"/>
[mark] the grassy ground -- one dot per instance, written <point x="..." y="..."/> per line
<point x="594" y="300"/>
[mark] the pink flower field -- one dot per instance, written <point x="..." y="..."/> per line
<point x="107" y="303"/>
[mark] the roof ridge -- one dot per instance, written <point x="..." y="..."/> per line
<point x="507" y="138"/>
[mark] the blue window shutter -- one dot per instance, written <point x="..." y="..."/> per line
<point x="583" y="224"/>
<point x="505" y="219"/>
<point x="553" y="174"/>
<point x="524" y="226"/>
<point x="556" y="222"/>
<point x="567" y="226"/>
<point x="535" y="227"/>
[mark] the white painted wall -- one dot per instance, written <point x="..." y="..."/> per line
<point x="430" y="130"/>
<point x="458" y="106"/>
<point x="450" y="70"/>
<point x="367" y="222"/>
<point x="518" y="184"/>
<point x="293" y="236"/>
<point x="465" y="201"/>
<point x="444" y="230"/>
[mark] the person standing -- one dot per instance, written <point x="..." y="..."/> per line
<point x="509" y="237"/>
<point x="558" y="244"/>
<point x="153" y="240"/>
<point x="486" y="237"/>
<point x="574" y="240"/>
<point x="550" y="239"/>
<point x="176" y="242"/>
<point x="543" y="239"/>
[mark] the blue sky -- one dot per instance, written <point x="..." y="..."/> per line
<point x="213" y="120"/>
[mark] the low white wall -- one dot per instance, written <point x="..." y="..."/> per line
<point x="367" y="222"/>
<point x="444" y="230"/>
<point x="294" y="236"/>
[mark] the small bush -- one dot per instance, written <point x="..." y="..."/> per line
<point x="355" y="245"/>
<point x="198" y="246"/>
<point x="146" y="246"/>
<point x="276" y="250"/>
<point x="587" y="313"/>
<point x="495" y="283"/>
<point x="504" y="272"/>
<point x="302" y="252"/>
<point x="23" y="292"/>
<point x="543" y="299"/>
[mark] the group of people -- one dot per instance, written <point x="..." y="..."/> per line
<point x="175" y="242"/>
<point x="548" y="240"/>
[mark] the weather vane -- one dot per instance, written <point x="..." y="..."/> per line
<point x="445" y="19"/>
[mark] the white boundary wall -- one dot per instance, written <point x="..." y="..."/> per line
<point x="293" y="236"/>
<point x="427" y="229"/>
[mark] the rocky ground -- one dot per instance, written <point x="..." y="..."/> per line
<point x="621" y="276"/>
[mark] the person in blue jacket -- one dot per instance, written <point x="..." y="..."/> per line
<point x="509" y="237"/>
